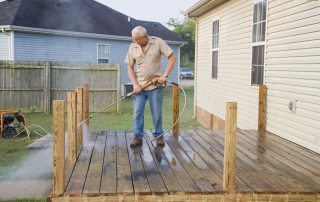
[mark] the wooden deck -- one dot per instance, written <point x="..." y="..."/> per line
<point x="268" y="168"/>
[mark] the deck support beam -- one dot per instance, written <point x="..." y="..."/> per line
<point x="86" y="104"/>
<point x="262" y="109"/>
<point x="176" y="100"/>
<point x="72" y="126"/>
<point x="229" y="166"/>
<point x="79" y="92"/>
<point x="58" y="147"/>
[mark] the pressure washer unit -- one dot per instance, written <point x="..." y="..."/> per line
<point x="7" y="124"/>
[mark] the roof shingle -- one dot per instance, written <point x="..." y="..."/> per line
<point x="86" y="16"/>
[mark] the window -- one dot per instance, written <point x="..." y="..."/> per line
<point x="215" y="48"/>
<point x="259" y="22"/>
<point x="257" y="65"/>
<point x="103" y="53"/>
<point x="258" y="42"/>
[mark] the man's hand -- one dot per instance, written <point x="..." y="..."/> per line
<point x="162" y="79"/>
<point x="137" y="88"/>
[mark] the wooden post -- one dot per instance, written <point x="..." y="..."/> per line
<point x="58" y="146"/>
<point x="176" y="96"/>
<point x="79" y="117"/>
<point x="119" y="111"/>
<point x="262" y="109"/>
<point x="47" y="88"/>
<point x="229" y="167"/>
<point x="72" y="127"/>
<point x="86" y="104"/>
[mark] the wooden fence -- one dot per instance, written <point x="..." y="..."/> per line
<point x="32" y="86"/>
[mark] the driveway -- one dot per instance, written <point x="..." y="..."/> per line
<point x="186" y="82"/>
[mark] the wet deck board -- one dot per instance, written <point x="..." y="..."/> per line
<point x="109" y="166"/>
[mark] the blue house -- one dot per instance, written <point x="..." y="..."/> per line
<point x="82" y="31"/>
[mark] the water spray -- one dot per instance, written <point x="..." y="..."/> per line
<point x="147" y="132"/>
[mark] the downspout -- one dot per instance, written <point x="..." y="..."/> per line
<point x="179" y="62"/>
<point x="195" y="68"/>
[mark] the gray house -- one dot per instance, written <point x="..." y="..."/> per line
<point x="82" y="31"/>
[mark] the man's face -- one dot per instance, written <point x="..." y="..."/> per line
<point x="141" y="41"/>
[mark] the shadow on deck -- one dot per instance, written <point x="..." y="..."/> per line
<point x="268" y="168"/>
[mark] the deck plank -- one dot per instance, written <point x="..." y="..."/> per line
<point x="258" y="162"/>
<point x="156" y="183"/>
<point x="214" y="179"/>
<point x="279" y="147"/>
<point x="245" y="165"/>
<point x="215" y="149"/>
<point x="200" y="180"/>
<point x="212" y="158"/>
<point x="78" y="177"/>
<point x="93" y="180"/>
<point x="139" y="177"/>
<point x="302" y="175"/>
<point x="270" y="164"/>
<point x="182" y="175"/>
<point x="172" y="183"/>
<point x="124" y="177"/>
<point x="109" y="169"/>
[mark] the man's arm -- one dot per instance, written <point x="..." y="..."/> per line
<point x="132" y="76"/>
<point x="171" y="61"/>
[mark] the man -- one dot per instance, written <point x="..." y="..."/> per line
<point x="146" y="52"/>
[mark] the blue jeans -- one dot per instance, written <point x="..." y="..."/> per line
<point x="155" y="97"/>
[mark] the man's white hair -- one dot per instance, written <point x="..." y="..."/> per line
<point x="141" y="31"/>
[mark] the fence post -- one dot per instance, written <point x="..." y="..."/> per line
<point x="58" y="146"/>
<point x="229" y="167"/>
<point x="79" y="117"/>
<point x="47" y="88"/>
<point x="119" y="88"/>
<point x="86" y="104"/>
<point x="176" y="97"/>
<point x="72" y="127"/>
<point x="262" y="108"/>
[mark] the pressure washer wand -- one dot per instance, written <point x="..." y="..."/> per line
<point x="153" y="81"/>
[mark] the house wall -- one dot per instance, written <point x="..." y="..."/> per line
<point x="4" y="46"/>
<point x="234" y="70"/>
<point x="45" y="47"/>
<point x="291" y="68"/>
<point x="293" y="71"/>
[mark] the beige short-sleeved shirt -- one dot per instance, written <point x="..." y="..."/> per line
<point x="148" y="63"/>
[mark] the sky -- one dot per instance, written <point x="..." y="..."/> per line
<point x="151" y="10"/>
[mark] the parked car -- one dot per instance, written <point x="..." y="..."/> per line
<point x="186" y="73"/>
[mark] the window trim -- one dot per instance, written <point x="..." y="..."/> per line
<point x="259" y="44"/>
<point x="98" y="52"/>
<point x="215" y="49"/>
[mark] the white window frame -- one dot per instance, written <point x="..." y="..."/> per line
<point x="260" y="43"/>
<point x="215" y="49"/>
<point x="107" y="57"/>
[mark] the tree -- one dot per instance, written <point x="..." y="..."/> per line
<point x="185" y="29"/>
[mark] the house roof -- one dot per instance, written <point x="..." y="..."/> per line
<point x="202" y="6"/>
<point x="86" y="16"/>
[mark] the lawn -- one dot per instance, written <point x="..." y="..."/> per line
<point x="13" y="151"/>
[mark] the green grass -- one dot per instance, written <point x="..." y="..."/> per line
<point x="13" y="151"/>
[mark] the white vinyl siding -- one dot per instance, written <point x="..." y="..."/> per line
<point x="235" y="37"/>
<point x="292" y="61"/>
<point x="293" y="71"/>
<point x="4" y="47"/>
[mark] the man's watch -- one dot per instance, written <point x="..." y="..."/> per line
<point x="166" y="75"/>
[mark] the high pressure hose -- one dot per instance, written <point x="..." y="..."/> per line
<point x="153" y="81"/>
<point x="149" y="133"/>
